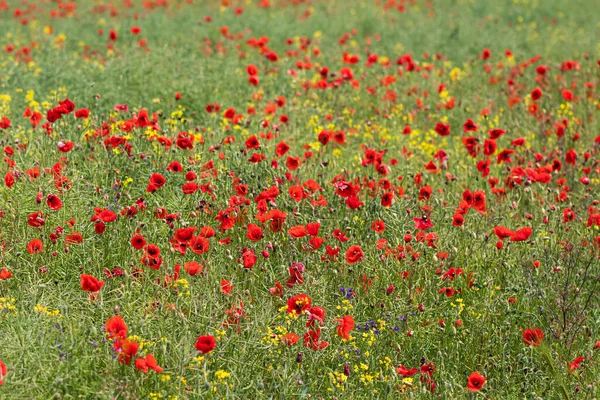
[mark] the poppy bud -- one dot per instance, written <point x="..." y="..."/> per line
<point x="299" y="358"/>
<point x="347" y="370"/>
<point x="99" y="227"/>
<point x="390" y="290"/>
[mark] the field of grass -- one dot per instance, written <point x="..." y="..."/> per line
<point x="299" y="199"/>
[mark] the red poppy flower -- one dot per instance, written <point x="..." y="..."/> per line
<point x="249" y="258"/>
<point x="193" y="268"/>
<point x="205" y="344"/>
<point x="254" y="233"/>
<point x="293" y="163"/>
<point x="82" y="113"/>
<point x="458" y="220"/>
<point x="5" y="274"/>
<point x="140" y="364"/>
<point x="298" y="304"/>
<point x="252" y="142"/>
<point x="290" y="339"/>
<point x="156" y="182"/>
<point x="3" y="372"/>
<point x="423" y="223"/>
<point x="4" y="123"/>
<point x="128" y="350"/>
<point x="567" y="95"/>
<point x="428" y="369"/>
<point x="256" y="158"/>
<point x="442" y="129"/>
<point x="206" y="231"/>
<point x="354" y="254"/>
<point x="189" y="187"/>
<point x="312" y="340"/>
<point x="252" y="70"/>
<point x="116" y="327"/>
<point x="470" y="126"/>
<point x="576" y="363"/>
<point x="346" y="324"/>
<point x="571" y="157"/>
<point x="90" y="284"/>
<point x="378" y="226"/>
<point x="35" y="246"/>
<point x="298" y="231"/>
<point x="536" y="94"/>
<point x="475" y="382"/>
<point x="153" y="251"/>
<point x="282" y="148"/>
<point x="199" y="244"/>
<point x="503" y="232"/>
<point x="387" y="199"/>
<point x="152" y="364"/>
<point x="425" y="193"/>
<point x="138" y="242"/>
<point x="175" y="166"/>
<point x="316" y="313"/>
<point x="521" y="235"/>
<point x="184" y="235"/>
<point x="36" y="219"/>
<point x="73" y="238"/>
<point x="533" y="337"/>
<point x="226" y="287"/>
<point x="297" y="193"/>
<point x="496" y="133"/>
<point x="67" y="105"/>
<point x="106" y="216"/>
<point x="54" y="202"/>
<point x="402" y="370"/>
<point x="313" y="228"/>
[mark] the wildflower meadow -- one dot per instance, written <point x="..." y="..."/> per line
<point x="299" y="199"/>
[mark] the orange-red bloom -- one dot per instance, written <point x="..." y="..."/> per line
<point x="205" y="344"/>
<point x="346" y="324"/>
<point x="3" y="372"/>
<point x="533" y="337"/>
<point x="354" y="254"/>
<point x="299" y="303"/>
<point x="290" y="339"/>
<point x="90" y="284"/>
<point x="475" y="382"/>
<point x="116" y="327"/>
